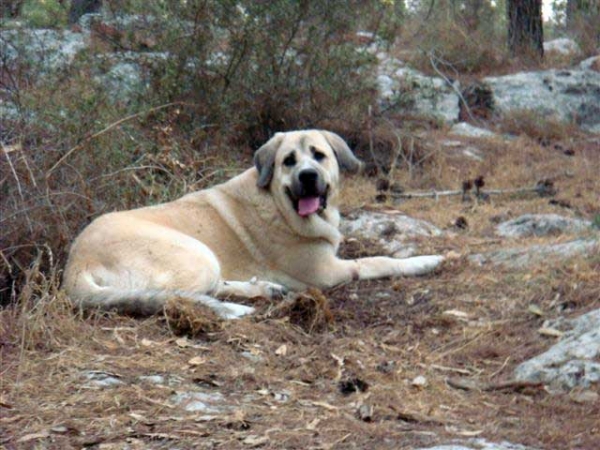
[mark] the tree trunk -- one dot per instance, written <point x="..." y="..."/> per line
<point x="525" y="29"/>
<point x="80" y="7"/>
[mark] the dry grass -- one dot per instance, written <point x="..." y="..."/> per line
<point x="334" y="369"/>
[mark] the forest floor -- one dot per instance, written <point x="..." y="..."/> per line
<point x="373" y="365"/>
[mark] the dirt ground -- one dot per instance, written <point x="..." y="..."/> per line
<point x="389" y="364"/>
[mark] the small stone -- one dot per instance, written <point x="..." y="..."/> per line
<point x="365" y="412"/>
<point x="419" y="382"/>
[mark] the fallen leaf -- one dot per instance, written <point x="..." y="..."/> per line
<point x="536" y="310"/>
<point x="281" y="351"/>
<point x="553" y="332"/>
<point x="182" y="342"/>
<point x="196" y="361"/>
<point x="452" y="255"/>
<point x="255" y="441"/>
<point x="313" y="425"/>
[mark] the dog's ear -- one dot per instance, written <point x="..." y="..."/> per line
<point x="264" y="160"/>
<point x="345" y="157"/>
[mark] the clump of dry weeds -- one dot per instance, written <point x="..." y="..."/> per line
<point x="185" y="317"/>
<point x="308" y="310"/>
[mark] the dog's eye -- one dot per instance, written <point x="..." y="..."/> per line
<point x="319" y="156"/>
<point x="290" y="160"/>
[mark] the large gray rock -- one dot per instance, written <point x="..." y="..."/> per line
<point x="410" y="90"/>
<point x="46" y="51"/>
<point x="572" y="362"/>
<point x="479" y="444"/>
<point x="126" y="76"/>
<point x="541" y="225"/>
<point x="193" y="401"/>
<point x="563" y="46"/>
<point x="467" y="130"/>
<point x="567" y="95"/>
<point x="390" y="231"/>
<point x="519" y="258"/>
<point x="591" y="63"/>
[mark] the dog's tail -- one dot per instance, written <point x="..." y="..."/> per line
<point x="148" y="302"/>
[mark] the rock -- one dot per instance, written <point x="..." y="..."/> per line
<point x="523" y="257"/>
<point x="9" y="111"/>
<point x="408" y="89"/>
<point x="48" y="51"/>
<point x="153" y="379"/>
<point x="390" y="231"/>
<point x="420" y="382"/>
<point x="592" y="63"/>
<point x="541" y="225"/>
<point x="479" y="444"/>
<point x="570" y="363"/>
<point x="161" y="380"/>
<point x="566" y="95"/>
<point x="100" y="379"/>
<point x="468" y="130"/>
<point x="200" y="401"/>
<point x="563" y="46"/>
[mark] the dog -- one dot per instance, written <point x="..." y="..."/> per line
<point x="276" y="224"/>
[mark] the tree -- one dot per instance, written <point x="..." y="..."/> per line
<point x="525" y="29"/>
<point x="583" y="20"/>
<point x="80" y="7"/>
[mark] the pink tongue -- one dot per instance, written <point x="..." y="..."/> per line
<point x="308" y="205"/>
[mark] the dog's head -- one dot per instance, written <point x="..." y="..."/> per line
<point x="303" y="167"/>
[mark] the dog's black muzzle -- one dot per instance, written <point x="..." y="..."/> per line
<point x="308" y="184"/>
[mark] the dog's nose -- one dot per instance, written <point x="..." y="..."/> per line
<point x="308" y="177"/>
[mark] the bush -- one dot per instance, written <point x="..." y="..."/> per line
<point x="454" y="39"/>
<point x="44" y="14"/>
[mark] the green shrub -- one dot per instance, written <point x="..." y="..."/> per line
<point x="44" y="13"/>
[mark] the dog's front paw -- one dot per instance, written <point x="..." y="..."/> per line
<point x="228" y="310"/>
<point x="420" y="265"/>
<point x="269" y="290"/>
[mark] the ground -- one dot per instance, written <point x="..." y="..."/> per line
<point x="338" y="369"/>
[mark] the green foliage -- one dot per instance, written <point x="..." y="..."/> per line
<point x="44" y="13"/>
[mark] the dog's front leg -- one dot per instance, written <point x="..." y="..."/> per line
<point x="250" y="289"/>
<point x="382" y="266"/>
<point x="341" y="271"/>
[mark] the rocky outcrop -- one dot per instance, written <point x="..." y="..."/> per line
<point x="573" y="362"/>
<point x="44" y="51"/>
<point x="526" y="256"/>
<point x="566" y="95"/>
<point x="409" y="90"/>
<point x="391" y="232"/>
<point x="479" y="444"/>
<point x="541" y="225"/>
<point x="562" y="46"/>
<point x="467" y="130"/>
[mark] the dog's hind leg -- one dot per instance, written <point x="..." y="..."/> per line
<point x="137" y="271"/>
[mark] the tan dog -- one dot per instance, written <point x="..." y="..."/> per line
<point x="276" y="224"/>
